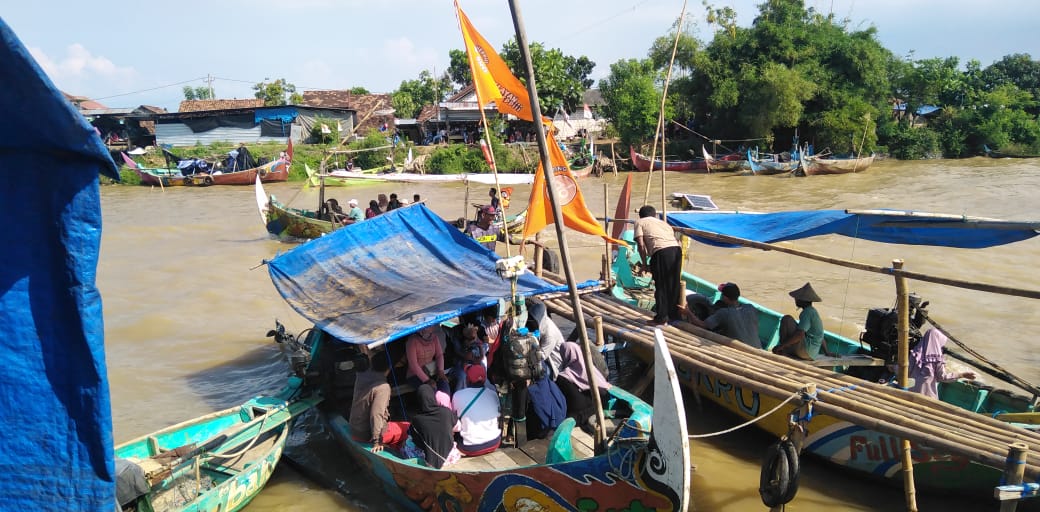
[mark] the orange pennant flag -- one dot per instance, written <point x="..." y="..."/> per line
<point x="491" y="75"/>
<point x="576" y="214"/>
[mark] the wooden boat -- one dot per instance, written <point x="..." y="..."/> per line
<point x="219" y="461"/>
<point x="410" y="177"/>
<point x="855" y="446"/>
<point x="642" y="163"/>
<point x="645" y="463"/>
<point x="154" y="176"/>
<point x="725" y="163"/>
<point x="764" y="166"/>
<point x="992" y="153"/>
<point x="814" y="165"/>
<point x="277" y="170"/>
<point x="287" y="223"/>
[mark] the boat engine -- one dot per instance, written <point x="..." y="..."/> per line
<point x="882" y="329"/>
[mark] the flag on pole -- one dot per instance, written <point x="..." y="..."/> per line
<point x="576" y="214"/>
<point x="586" y="112"/>
<point x="491" y="75"/>
<point x="289" y="150"/>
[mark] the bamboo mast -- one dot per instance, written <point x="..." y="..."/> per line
<point x="903" y="308"/>
<point x="561" y="235"/>
<point x="660" y="120"/>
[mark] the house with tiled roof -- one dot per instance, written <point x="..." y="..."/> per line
<point x="124" y="128"/>
<point x="373" y="110"/>
<point x="208" y="105"/>
<point x="82" y="102"/>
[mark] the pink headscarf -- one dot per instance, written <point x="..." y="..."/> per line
<point x="929" y="350"/>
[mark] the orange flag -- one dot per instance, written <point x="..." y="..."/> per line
<point x="572" y="205"/>
<point x="491" y="76"/>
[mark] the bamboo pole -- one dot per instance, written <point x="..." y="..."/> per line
<point x="613" y="158"/>
<point x="606" y="229"/>
<point x="903" y="308"/>
<point x="561" y="235"/>
<point x="1014" y="470"/>
<point x="660" y="114"/>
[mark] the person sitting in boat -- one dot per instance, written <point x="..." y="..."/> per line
<point x="369" y="412"/>
<point x="476" y="406"/>
<point x="468" y="349"/>
<point x="573" y="382"/>
<point x="927" y="366"/>
<point x="383" y="202"/>
<point x="733" y="320"/>
<point x="484" y="230"/>
<point x="424" y="351"/>
<point x="354" y="214"/>
<point x="496" y="203"/>
<point x="373" y="209"/>
<point x="802" y="339"/>
<point x="393" y="203"/>
<point x="432" y="429"/>
<point x="333" y="212"/>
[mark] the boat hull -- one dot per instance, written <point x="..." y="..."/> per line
<point x="813" y="166"/>
<point x="285" y="222"/>
<point x="642" y="164"/>
<point x="277" y="170"/>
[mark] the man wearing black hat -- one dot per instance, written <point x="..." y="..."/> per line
<point x="804" y="339"/>
<point x="485" y="230"/>
<point x="734" y="320"/>
<point x="659" y="249"/>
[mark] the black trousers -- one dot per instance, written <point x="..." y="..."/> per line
<point x="666" y="268"/>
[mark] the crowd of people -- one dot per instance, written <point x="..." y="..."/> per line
<point x="332" y="211"/>
<point x="479" y="385"/>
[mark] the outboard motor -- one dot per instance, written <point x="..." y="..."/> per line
<point x="882" y="331"/>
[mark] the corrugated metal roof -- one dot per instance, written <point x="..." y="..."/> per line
<point x="204" y="105"/>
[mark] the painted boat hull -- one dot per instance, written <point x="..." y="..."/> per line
<point x="771" y="167"/>
<point x="848" y="445"/>
<point x="277" y="170"/>
<point x="642" y="164"/>
<point x="346" y="177"/>
<point x="259" y="429"/>
<point x="727" y="163"/>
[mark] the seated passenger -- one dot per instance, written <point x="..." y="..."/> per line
<point x="369" y="413"/>
<point x="468" y="350"/>
<point x="476" y="406"/>
<point x="733" y="320"/>
<point x="432" y="427"/>
<point x="425" y="353"/>
<point x="574" y="384"/>
<point x="804" y="339"/>
<point x="354" y="214"/>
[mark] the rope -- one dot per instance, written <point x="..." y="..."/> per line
<point x="259" y="432"/>
<point x="746" y="423"/>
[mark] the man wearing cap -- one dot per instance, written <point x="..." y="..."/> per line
<point x="659" y="249"/>
<point x="485" y="230"/>
<point x="803" y="339"/>
<point x="477" y="408"/>
<point x="354" y="214"/>
<point x="734" y="320"/>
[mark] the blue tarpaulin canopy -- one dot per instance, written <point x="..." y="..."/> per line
<point x="388" y="276"/>
<point x="892" y="227"/>
<point x="56" y="451"/>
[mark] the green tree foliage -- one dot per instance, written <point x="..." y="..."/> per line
<point x="562" y="79"/>
<point x="197" y="93"/>
<point x="412" y="95"/>
<point x="458" y="70"/>
<point x="278" y="92"/>
<point x="371" y="159"/>
<point x="358" y="90"/>
<point x="1019" y="70"/>
<point x="632" y="99"/>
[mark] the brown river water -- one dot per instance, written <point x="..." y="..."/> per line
<point x="187" y="305"/>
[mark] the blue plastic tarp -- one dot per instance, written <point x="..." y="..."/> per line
<point x="388" y="276"/>
<point x="56" y="451"/>
<point x="895" y="228"/>
<point x="284" y="114"/>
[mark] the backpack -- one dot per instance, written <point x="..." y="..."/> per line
<point x="521" y="349"/>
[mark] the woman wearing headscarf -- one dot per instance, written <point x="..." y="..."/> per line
<point x="432" y="427"/>
<point x="550" y="338"/>
<point x="927" y="366"/>
<point x="573" y="382"/>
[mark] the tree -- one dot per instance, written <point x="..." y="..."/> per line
<point x="458" y="70"/>
<point x="278" y="92"/>
<point x="562" y="79"/>
<point x="1019" y="70"/>
<point x="358" y="90"/>
<point x="632" y="99"/>
<point x="412" y="95"/>
<point x="197" y="93"/>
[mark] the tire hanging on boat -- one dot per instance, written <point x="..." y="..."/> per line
<point x="778" y="482"/>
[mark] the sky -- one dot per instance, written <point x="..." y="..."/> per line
<point x="144" y="52"/>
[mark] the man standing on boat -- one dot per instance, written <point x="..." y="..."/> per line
<point x="484" y="230"/>
<point x="659" y="249"/>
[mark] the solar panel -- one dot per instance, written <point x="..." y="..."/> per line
<point x="699" y="202"/>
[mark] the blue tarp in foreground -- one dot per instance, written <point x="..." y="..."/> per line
<point x="895" y="228"/>
<point x="388" y="276"/>
<point x="56" y="450"/>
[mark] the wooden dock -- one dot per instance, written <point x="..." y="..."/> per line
<point x="873" y="406"/>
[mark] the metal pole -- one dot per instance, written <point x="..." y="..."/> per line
<point x="561" y="235"/>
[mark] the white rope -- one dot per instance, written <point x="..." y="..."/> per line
<point x="749" y="422"/>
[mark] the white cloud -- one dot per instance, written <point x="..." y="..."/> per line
<point x="80" y="64"/>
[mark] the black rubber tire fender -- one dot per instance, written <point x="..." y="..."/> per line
<point x="778" y="482"/>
